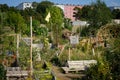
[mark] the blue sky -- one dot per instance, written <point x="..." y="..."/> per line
<point x="80" y="2"/>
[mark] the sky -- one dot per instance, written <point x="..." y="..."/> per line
<point x="76" y="2"/>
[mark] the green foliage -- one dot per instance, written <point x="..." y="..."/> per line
<point x="109" y="31"/>
<point x="67" y="24"/>
<point x="3" y="29"/>
<point x="82" y="14"/>
<point x="77" y="13"/>
<point x="36" y="27"/>
<point x="4" y="7"/>
<point x="24" y="53"/>
<point x="98" y="16"/>
<point x="42" y="76"/>
<point x="113" y="57"/>
<point x="56" y="20"/>
<point x="2" y="72"/>
<point x="55" y="60"/>
<point x="86" y="12"/>
<point x="30" y="12"/>
<point x="9" y="44"/>
<point x="13" y="9"/>
<point x="41" y="65"/>
<point x="42" y="70"/>
<point x="47" y="55"/>
<point x="42" y="31"/>
<point x="56" y="15"/>
<point x="16" y="22"/>
<point x="63" y="59"/>
<point x="42" y="9"/>
<point x="84" y="32"/>
<point x="108" y="66"/>
<point x="35" y="23"/>
<point x="100" y="71"/>
<point x="116" y="13"/>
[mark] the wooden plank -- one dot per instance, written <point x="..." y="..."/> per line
<point x="78" y="65"/>
<point x="16" y="72"/>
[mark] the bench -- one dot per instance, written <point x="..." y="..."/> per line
<point x="15" y="72"/>
<point x="78" y="65"/>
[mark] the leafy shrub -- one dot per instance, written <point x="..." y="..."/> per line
<point x="112" y="55"/>
<point x="55" y="60"/>
<point x="100" y="71"/>
<point x="2" y="72"/>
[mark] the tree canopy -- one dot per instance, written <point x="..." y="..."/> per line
<point x="77" y="13"/>
<point x="100" y="14"/>
<point x="116" y="13"/>
<point x="42" y="9"/>
<point x="16" y="22"/>
<point x="97" y="15"/>
<point x="56" y="20"/>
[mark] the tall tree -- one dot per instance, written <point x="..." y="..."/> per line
<point x="86" y="12"/>
<point x="77" y="13"/>
<point x="116" y="13"/>
<point x="42" y="9"/>
<point x="56" y="20"/>
<point x="4" y="7"/>
<point x="16" y="22"/>
<point x="99" y="15"/>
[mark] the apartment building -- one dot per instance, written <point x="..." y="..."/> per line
<point x="68" y="10"/>
<point x="24" y="5"/>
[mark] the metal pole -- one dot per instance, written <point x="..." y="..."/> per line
<point x="31" y="65"/>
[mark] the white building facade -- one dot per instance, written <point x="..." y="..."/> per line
<point x="24" y="5"/>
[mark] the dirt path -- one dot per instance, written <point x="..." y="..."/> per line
<point x="61" y="76"/>
<point x="58" y="74"/>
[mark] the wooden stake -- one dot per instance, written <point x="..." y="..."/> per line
<point x="31" y="65"/>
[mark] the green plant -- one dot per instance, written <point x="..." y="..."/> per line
<point x="55" y="60"/>
<point x="112" y="55"/>
<point x="100" y="71"/>
<point x="2" y="72"/>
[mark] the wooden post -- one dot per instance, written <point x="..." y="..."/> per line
<point x="31" y="65"/>
<point x="17" y="49"/>
<point x="93" y="51"/>
<point x="69" y="53"/>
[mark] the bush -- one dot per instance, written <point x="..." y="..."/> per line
<point x="100" y="71"/>
<point x="55" y="60"/>
<point x="112" y="55"/>
<point x="2" y="72"/>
